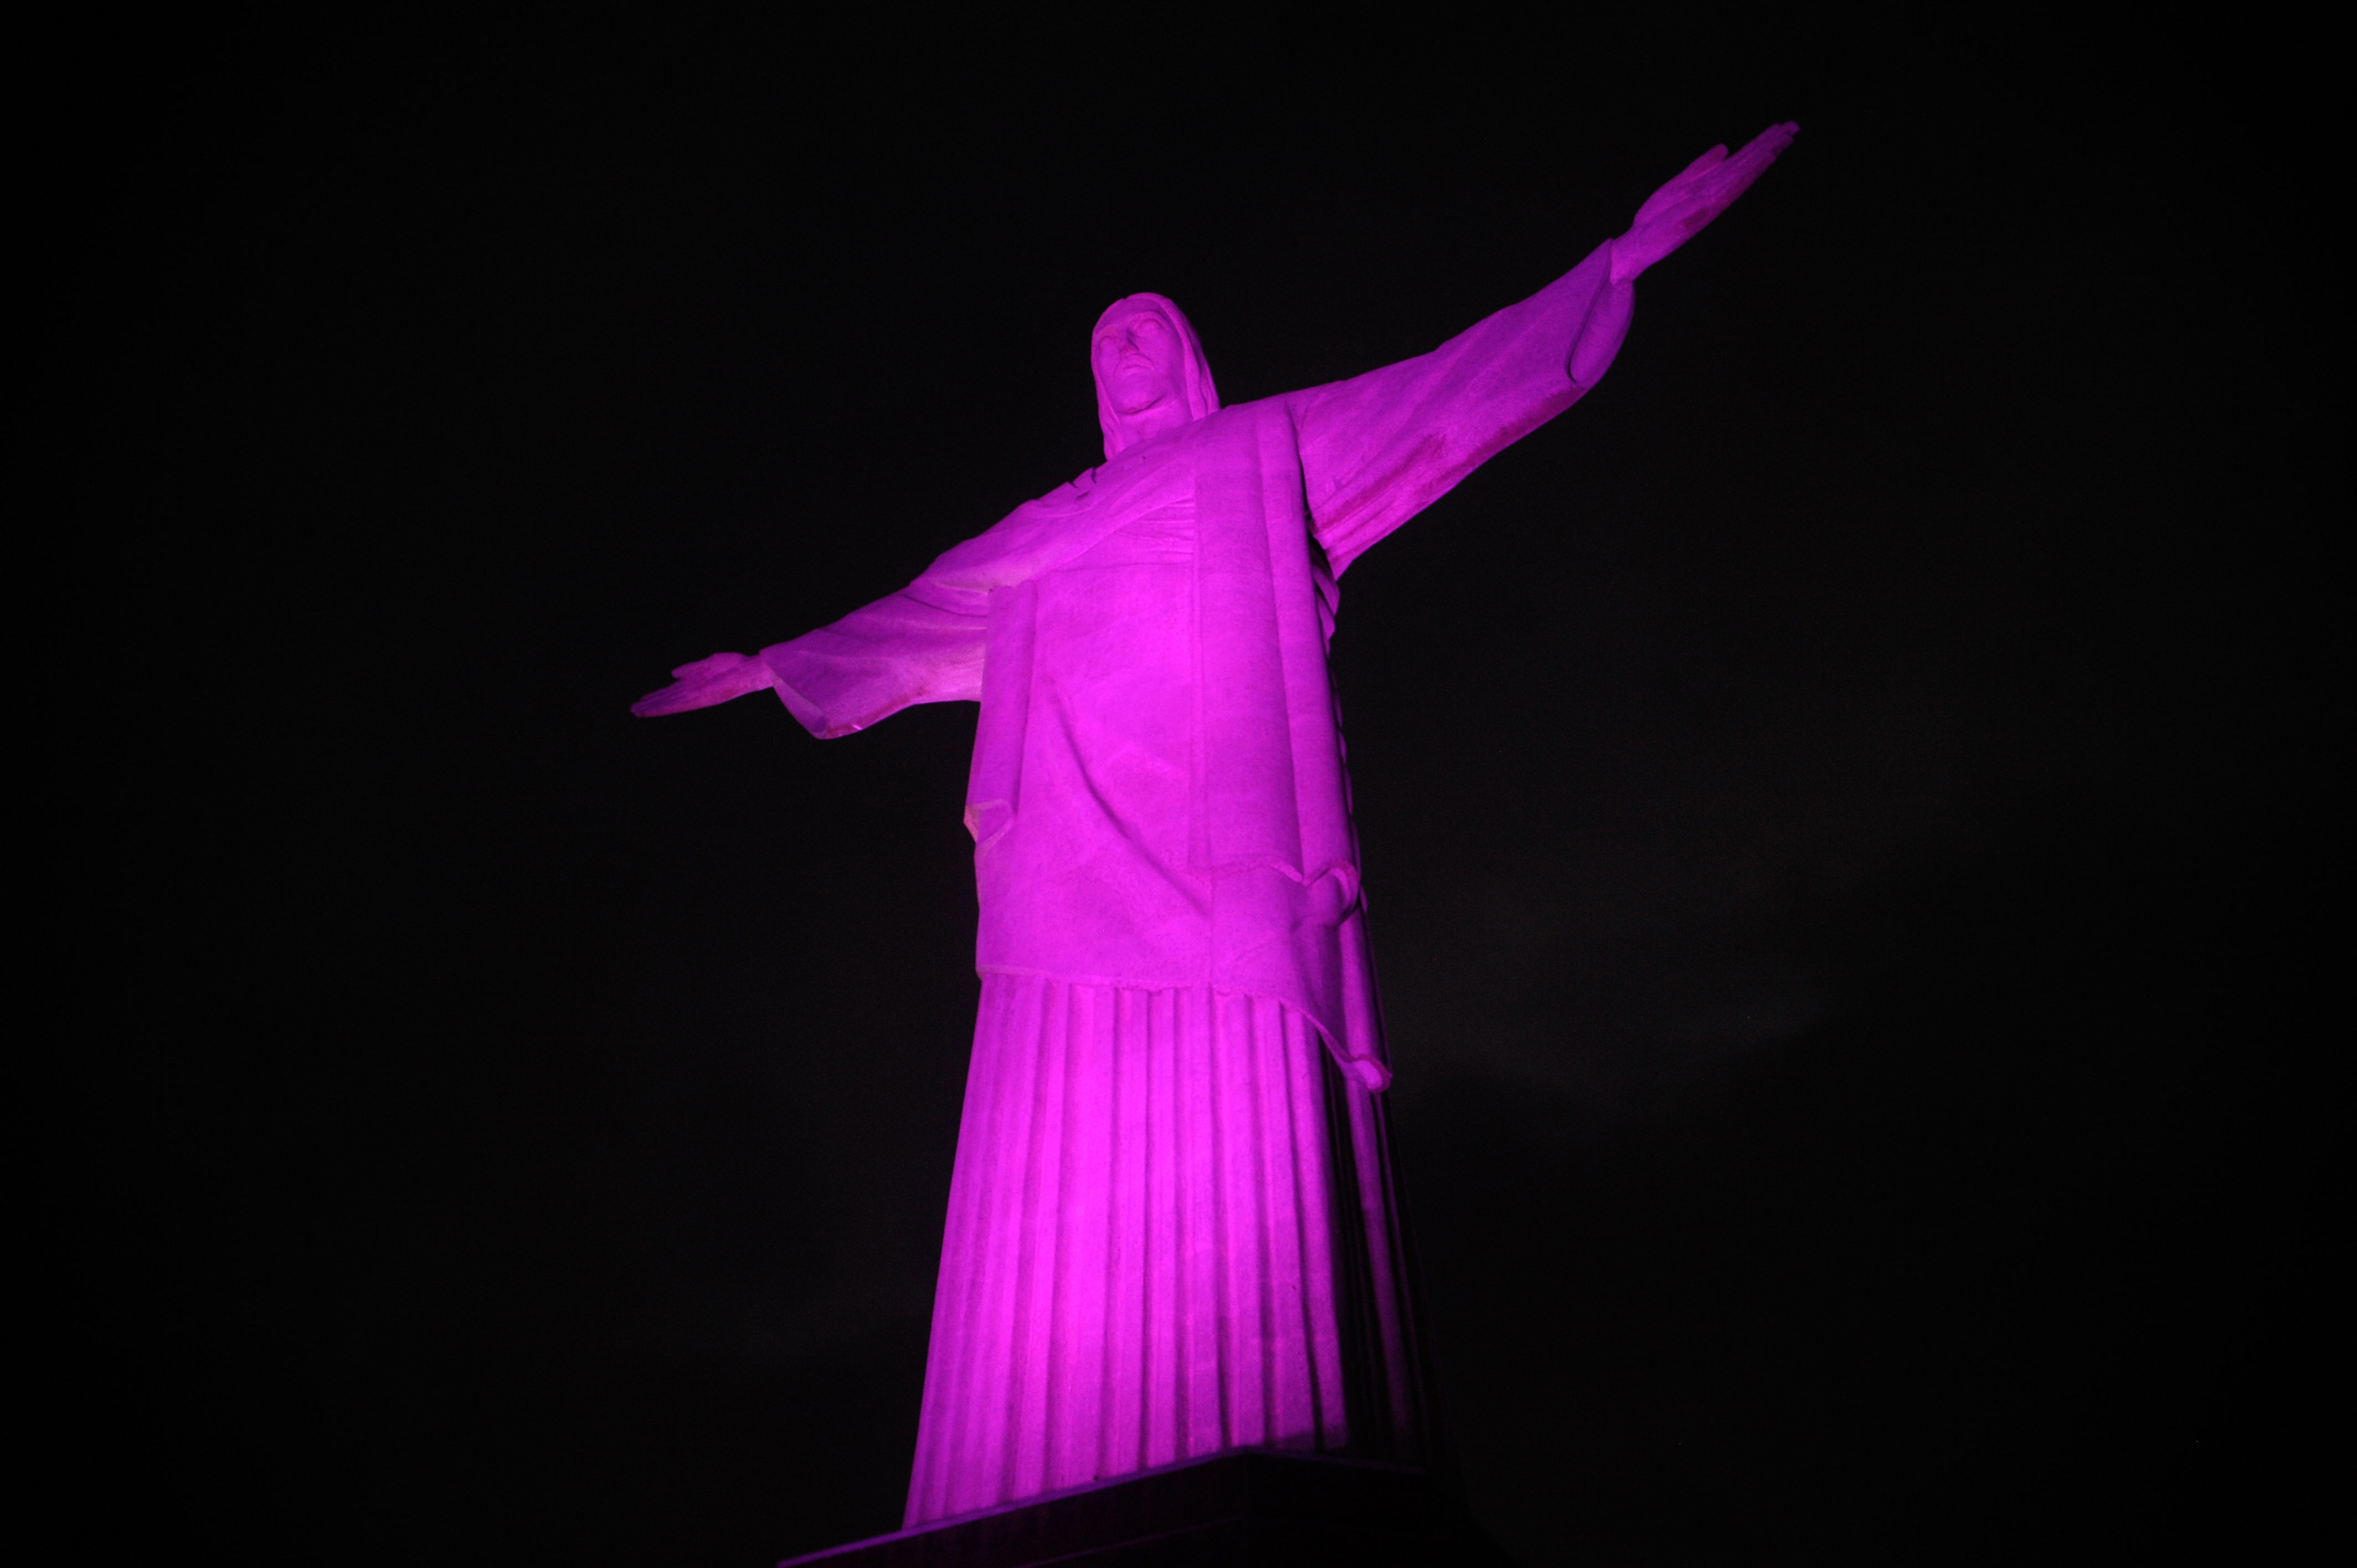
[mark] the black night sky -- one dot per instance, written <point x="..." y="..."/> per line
<point x="1834" y="804"/>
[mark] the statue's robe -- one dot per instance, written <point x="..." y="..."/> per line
<point x="1171" y="1225"/>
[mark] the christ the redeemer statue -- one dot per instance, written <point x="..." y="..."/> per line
<point x="1171" y="1226"/>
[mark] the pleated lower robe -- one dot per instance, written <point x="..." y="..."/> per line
<point x="1171" y="1233"/>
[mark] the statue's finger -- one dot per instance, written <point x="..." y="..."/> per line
<point x="1679" y="189"/>
<point x="1715" y="156"/>
<point x="1761" y="150"/>
<point x="1732" y="180"/>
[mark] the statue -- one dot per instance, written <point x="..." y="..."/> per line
<point x="1171" y="1228"/>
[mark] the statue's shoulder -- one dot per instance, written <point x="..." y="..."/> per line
<point x="1073" y="494"/>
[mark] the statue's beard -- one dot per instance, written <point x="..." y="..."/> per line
<point x="1133" y="403"/>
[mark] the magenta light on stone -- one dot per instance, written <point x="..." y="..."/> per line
<point x="1172" y="1229"/>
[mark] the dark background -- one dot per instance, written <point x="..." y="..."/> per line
<point x="1836" y="805"/>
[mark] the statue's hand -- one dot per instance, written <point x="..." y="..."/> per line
<point x="719" y="679"/>
<point x="1677" y="211"/>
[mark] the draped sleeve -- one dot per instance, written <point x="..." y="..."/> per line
<point x="919" y="644"/>
<point x="1379" y="448"/>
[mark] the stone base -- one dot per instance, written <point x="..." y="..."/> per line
<point x="1250" y="1507"/>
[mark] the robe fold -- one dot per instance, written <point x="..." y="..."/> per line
<point x="1172" y="1233"/>
<point x="1172" y="1227"/>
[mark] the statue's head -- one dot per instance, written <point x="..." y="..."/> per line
<point x="1151" y="373"/>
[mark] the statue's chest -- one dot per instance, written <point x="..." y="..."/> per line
<point x="1114" y="646"/>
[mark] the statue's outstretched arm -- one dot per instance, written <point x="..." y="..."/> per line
<point x="906" y="648"/>
<point x="1379" y="448"/>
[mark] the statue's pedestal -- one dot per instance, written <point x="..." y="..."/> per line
<point x="1250" y="1508"/>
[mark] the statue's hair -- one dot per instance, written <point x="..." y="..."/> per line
<point x="1203" y="397"/>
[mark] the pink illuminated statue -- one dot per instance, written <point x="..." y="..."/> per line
<point x="1171" y="1226"/>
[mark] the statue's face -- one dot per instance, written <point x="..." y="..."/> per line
<point x="1138" y="362"/>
